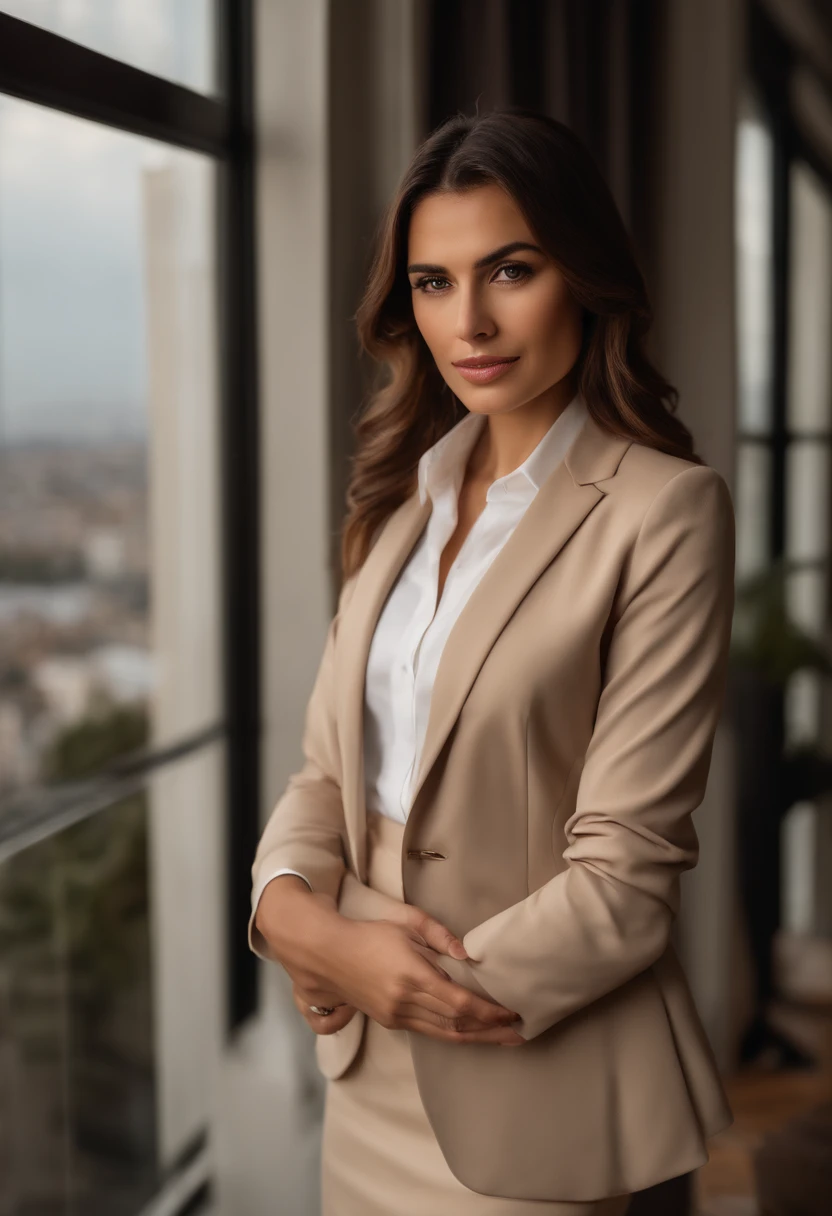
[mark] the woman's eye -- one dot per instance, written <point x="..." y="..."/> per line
<point x="524" y="271"/>
<point x="518" y="271"/>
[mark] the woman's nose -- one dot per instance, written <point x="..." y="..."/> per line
<point x="473" y="320"/>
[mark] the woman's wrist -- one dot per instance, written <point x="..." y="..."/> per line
<point x="298" y="924"/>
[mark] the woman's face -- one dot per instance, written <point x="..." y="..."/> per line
<point x="482" y="286"/>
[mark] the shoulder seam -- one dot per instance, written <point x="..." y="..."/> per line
<point x="691" y="468"/>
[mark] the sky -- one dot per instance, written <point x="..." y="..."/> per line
<point x="72" y="259"/>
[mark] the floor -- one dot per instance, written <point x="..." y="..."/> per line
<point x="762" y="1098"/>
<point x="761" y="1103"/>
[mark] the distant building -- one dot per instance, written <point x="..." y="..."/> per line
<point x="16" y="758"/>
<point x="126" y="673"/>
<point x="104" y="553"/>
<point x="65" y="682"/>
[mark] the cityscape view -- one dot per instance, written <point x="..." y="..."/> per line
<point x="74" y="592"/>
<point x="106" y="365"/>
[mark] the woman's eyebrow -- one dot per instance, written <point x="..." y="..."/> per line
<point x="502" y="252"/>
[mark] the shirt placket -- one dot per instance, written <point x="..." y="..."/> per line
<point x="441" y="526"/>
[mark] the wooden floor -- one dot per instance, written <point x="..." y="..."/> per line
<point x="763" y="1099"/>
<point x="761" y="1103"/>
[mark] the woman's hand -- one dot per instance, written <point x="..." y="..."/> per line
<point x="383" y="967"/>
<point x="323" y="1023"/>
<point x="387" y="969"/>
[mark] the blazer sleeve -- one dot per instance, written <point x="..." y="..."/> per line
<point x="306" y="831"/>
<point x="608" y="915"/>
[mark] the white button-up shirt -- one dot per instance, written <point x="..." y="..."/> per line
<point x="412" y="629"/>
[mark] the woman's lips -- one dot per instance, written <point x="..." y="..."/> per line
<point x="481" y="375"/>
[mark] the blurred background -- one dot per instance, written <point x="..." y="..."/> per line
<point x="188" y="195"/>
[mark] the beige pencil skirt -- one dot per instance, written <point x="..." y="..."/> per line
<point x="380" y="1156"/>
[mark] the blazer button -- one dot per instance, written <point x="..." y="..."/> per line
<point x="425" y="855"/>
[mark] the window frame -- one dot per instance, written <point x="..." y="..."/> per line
<point x="47" y="69"/>
<point x="771" y="62"/>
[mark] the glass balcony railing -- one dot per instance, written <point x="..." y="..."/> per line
<point x="77" y="1074"/>
<point x="110" y="986"/>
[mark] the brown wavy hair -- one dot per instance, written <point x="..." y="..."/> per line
<point x="562" y="194"/>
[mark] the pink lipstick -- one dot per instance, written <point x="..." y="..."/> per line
<point x="482" y="371"/>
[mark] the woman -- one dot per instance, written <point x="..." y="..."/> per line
<point x="513" y="717"/>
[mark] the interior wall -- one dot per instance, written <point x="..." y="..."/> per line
<point x="695" y="341"/>
<point x="267" y="1118"/>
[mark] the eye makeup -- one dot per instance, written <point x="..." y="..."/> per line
<point x="421" y="284"/>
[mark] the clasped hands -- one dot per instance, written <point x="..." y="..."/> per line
<point x="388" y="968"/>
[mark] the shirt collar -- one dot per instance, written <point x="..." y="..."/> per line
<point x="442" y="466"/>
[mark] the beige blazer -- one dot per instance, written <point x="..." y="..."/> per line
<point x="568" y="743"/>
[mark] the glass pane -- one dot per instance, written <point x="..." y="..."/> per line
<point x="806" y="600"/>
<point x="77" y="1077"/>
<point x="803" y="708"/>
<point x="798" y="838"/>
<point x="753" y="508"/>
<point x="810" y="302"/>
<point x="807" y="500"/>
<point x="109" y="511"/>
<point x="110" y="1001"/>
<point x="753" y="233"/>
<point x="171" y="38"/>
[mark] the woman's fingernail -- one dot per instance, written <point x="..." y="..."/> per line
<point x="458" y="950"/>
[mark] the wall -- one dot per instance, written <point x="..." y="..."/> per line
<point x="695" y="341"/>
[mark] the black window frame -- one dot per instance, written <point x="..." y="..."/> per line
<point x="47" y="69"/>
<point x="771" y="60"/>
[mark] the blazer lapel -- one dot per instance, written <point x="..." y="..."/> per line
<point x="355" y="634"/>
<point x="560" y="506"/>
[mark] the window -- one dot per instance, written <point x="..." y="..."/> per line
<point x="109" y="503"/>
<point x="806" y="454"/>
<point x="784" y="244"/>
<point x="129" y="700"/>
<point x="175" y="39"/>
<point x="755" y="323"/>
